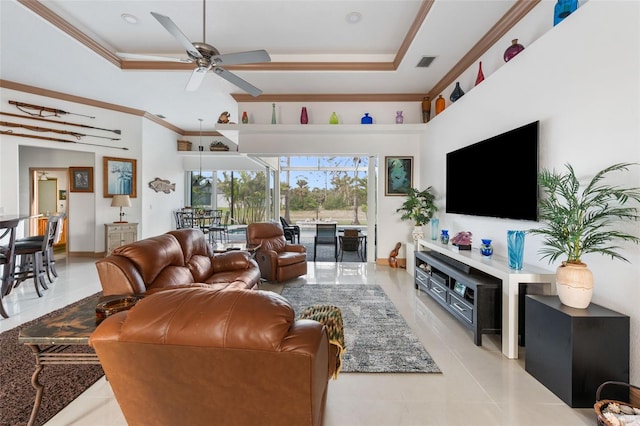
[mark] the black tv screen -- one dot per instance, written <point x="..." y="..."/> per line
<point x="497" y="177"/>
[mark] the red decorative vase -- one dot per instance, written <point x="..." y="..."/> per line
<point x="480" y="76"/>
<point x="304" y="118"/>
<point x="512" y="50"/>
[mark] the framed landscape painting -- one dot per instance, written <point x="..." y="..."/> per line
<point x="81" y="179"/>
<point x="119" y="177"/>
<point x="398" y="175"/>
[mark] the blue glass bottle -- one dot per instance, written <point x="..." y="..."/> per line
<point x="562" y="9"/>
<point x="366" y="119"/>
<point x="486" y="249"/>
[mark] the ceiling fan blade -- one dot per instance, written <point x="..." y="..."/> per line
<point x="135" y="56"/>
<point x="196" y="78"/>
<point x="249" y="57"/>
<point x="168" y="24"/>
<point x="242" y="84"/>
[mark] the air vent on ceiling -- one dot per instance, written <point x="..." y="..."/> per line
<point x="425" y="61"/>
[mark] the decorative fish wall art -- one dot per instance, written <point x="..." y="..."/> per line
<point x="162" y="185"/>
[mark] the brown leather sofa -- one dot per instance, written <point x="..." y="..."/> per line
<point x="177" y="258"/>
<point x="278" y="260"/>
<point x="197" y="356"/>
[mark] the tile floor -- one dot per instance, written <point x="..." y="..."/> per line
<point x="478" y="385"/>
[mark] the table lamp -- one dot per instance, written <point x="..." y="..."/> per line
<point x="121" y="200"/>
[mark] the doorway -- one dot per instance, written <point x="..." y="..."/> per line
<point x="48" y="196"/>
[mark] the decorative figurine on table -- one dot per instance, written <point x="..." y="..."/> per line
<point x="462" y="240"/>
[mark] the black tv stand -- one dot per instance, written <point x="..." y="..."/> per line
<point x="471" y="296"/>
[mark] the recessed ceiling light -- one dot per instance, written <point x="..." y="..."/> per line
<point x="353" y="17"/>
<point x="128" y="18"/>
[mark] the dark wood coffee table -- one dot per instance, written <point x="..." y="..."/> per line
<point x="53" y="340"/>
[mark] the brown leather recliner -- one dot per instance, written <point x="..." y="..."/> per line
<point x="175" y="259"/>
<point x="197" y="356"/>
<point x="278" y="260"/>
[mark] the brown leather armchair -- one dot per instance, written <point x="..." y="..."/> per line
<point x="278" y="260"/>
<point x="199" y="356"/>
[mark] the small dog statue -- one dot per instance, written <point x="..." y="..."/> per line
<point x="224" y="118"/>
<point x="393" y="256"/>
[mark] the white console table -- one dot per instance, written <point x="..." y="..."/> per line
<point x="498" y="266"/>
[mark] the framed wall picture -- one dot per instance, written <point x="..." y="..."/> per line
<point x="119" y="176"/>
<point x="81" y="179"/>
<point x="398" y="175"/>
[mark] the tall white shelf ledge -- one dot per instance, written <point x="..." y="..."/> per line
<point x="266" y="139"/>
<point x="498" y="266"/>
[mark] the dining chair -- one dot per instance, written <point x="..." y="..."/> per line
<point x="290" y="231"/>
<point x="7" y="260"/>
<point x="32" y="256"/>
<point x="49" y="258"/>
<point x="352" y="240"/>
<point x="326" y="234"/>
<point x="215" y="228"/>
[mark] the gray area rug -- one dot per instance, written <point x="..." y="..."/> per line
<point x="377" y="337"/>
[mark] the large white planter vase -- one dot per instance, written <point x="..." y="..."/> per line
<point x="574" y="283"/>
<point x="417" y="234"/>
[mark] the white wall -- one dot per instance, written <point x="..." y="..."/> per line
<point x="581" y="80"/>
<point x="159" y="161"/>
<point x="88" y="212"/>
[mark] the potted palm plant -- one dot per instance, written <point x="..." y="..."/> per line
<point x="419" y="208"/>
<point x="576" y="222"/>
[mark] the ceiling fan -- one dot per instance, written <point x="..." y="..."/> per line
<point x="206" y="57"/>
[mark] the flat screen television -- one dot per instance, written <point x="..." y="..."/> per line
<point x="496" y="177"/>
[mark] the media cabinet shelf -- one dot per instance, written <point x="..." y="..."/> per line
<point x="498" y="267"/>
<point x="471" y="296"/>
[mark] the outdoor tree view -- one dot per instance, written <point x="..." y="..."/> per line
<point x="311" y="189"/>
<point x="324" y="189"/>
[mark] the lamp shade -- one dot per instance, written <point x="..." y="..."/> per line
<point x="121" y="200"/>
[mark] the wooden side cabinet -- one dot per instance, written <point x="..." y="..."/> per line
<point x="118" y="234"/>
<point x="573" y="351"/>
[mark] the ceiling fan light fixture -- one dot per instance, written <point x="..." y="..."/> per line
<point x="129" y="18"/>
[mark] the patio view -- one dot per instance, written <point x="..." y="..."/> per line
<point x="312" y="189"/>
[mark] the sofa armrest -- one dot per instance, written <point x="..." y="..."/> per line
<point x="311" y="337"/>
<point x="118" y="275"/>
<point x="297" y="248"/>
<point x="231" y="261"/>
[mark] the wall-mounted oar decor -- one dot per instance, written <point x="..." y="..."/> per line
<point x="24" y="135"/>
<point x="54" y="112"/>
<point x="45" y="129"/>
<point x="117" y="132"/>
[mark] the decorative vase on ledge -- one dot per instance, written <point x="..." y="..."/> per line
<point x="515" y="249"/>
<point x="366" y="119"/>
<point x="486" y="249"/>
<point x="512" y="50"/>
<point x="435" y="223"/>
<point x="444" y="236"/>
<point x="457" y="92"/>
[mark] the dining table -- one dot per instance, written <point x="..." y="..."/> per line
<point x="8" y="230"/>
